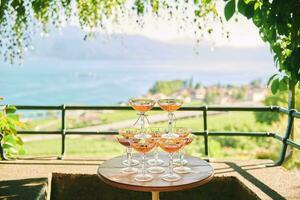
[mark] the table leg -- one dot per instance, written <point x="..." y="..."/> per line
<point x="155" y="195"/>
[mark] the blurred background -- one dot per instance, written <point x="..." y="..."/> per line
<point x="155" y="62"/>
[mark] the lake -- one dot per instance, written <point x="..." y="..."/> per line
<point x="96" y="82"/>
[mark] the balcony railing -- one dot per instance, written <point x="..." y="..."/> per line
<point x="285" y="140"/>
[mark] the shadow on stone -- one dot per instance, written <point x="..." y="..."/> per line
<point x="90" y="187"/>
<point x="263" y="187"/>
<point x="34" y="188"/>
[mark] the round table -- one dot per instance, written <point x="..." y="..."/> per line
<point x="110" y="173"/>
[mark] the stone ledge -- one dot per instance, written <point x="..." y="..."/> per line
<point x="265" y="182"/>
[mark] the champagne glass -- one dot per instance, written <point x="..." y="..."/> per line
<point x="184" y="169"/>
<point x="143" y="146"/>
<point x="129" y="133"/>
<point x="155" y="162"/>
<point x="170" y="105"/>
<point x="183" y="133"/>
<point x="142" y="106"/>
<point x="126" y="143"/>
<point x="171" y="145"/>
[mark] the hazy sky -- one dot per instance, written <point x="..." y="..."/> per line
<point x="243" y="33"/>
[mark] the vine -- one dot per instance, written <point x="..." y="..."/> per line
<point x="20" y="20"/>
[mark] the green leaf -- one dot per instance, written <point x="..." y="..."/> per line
<point x="229" y="9"/>
<point x="7" y="146"/>
<point x="155" y="6"/>
<point x="283" y="86"/>
<point x="271" y="78"/>
<point x="22" y="151"/>
<point x="10" y="109"/>
<point x="19" y="140"/>
<point x="249" y="11"/>
<point x="140" y="7"/>
<point x="257" y="5"/>
<point x="275" y="86"/>
<point x="242" y="6"/>
<point x="13" y="117"/>
<point x="11" y="139"/>
<point x="11" y="150"/>
<point x="12" y="128"/>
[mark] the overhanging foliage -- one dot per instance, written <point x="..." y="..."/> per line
<point x="20" y="20"/>
<point x="278" y="22"/>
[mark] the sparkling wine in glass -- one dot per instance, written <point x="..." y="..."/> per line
<point x="143" y="146"/>
<point x="170" y="106"/>
<point x="171" y="145"/>
<point x="182" y="169"/>
<point x="142" y="106"/>
<point x="126" y="142"/>
<point x="155" y="162"/>
<point x="183" y="133"/>
<point x="129" y="133"/>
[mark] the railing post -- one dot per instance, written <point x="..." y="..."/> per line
<point x="2" y="153"/>
<point x="287" y="135"/>
<point x="206" y="133"/>
<point x="63" y="132"/>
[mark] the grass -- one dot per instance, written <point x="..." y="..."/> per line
<point x="232" y="121"/>
<point x="52" y="123"/>
<point x="219" y="147"/>
<point x="95" y="147"/>
<point x="81" y="146"/>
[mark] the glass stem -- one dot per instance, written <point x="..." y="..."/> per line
<point x="129" y="157"/>
<point x="142" y="122"/>
<point x="155" y="156"/>
<point x="143" y="164"/>
<point x="171" y="164"/>
<point x="181" y="154"/>
<point x="170" y="123"/>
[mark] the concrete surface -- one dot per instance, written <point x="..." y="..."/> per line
<point x="29" y="176"/>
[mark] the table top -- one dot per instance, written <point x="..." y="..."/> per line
<point x="110" y="173"/>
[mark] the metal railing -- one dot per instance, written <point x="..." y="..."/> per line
<point x="285" y="140"/>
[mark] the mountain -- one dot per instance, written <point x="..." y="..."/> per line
<point x="70" y="44"/>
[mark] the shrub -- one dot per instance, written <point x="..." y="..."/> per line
<point x="9" y="122"/>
